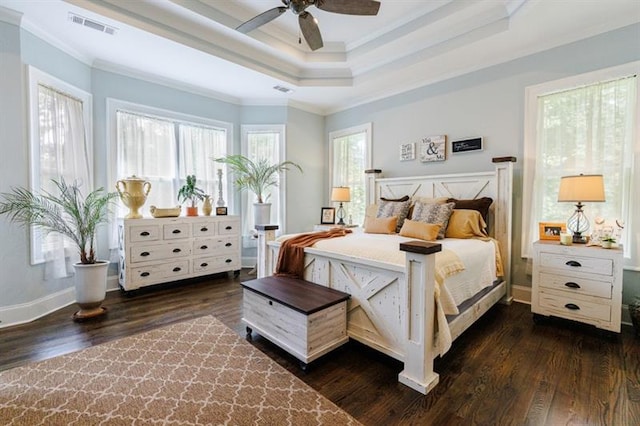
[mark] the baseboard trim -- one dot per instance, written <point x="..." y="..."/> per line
<point x="521" y="293"/>
<point x="31" y="311"/>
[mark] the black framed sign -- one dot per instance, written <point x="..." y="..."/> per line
<point x="328" y="216"/>
<point x="221" y="211"/>
<point x="466" y="145"/>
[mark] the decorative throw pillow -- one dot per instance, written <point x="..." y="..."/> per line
<point x="429" y="200"/>
<point x="433" y="213"/>
<point x="466" y="224"/>
<point x="380" y="225"/>
<point x="480" y="204"/>
<point x="399" y="209"/>
<point x="423" y="231"/>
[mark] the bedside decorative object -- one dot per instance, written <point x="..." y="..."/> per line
<point x="221" y="211"/>
<point x="607" y="241"/>
<point x="551" y="230"/>
<point x="170" y="212"/>
<point x="220" y="202"/>
<point x="328" y="216"/>
<point x="341" y="194"/>
<point x="133" y="192"/>
<point x="577" y="189"/>
<point x="566" y="239"/>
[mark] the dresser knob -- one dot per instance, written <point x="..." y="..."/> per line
<point x="572" y="306"/>
<point x="177" y="269"/>
<point x="229" y="228"/>
<point x="572" y="285"/>
<point x="203" y="247"/>
<point x="204" y="265"/>
<point x="228" y="245"/>
<point x="176" y="250"/>
<point x="144" y="274"/>
<point x="144" y="234"/>
<point x="228" y="260"/>
<point x="204" y="229"/>
<point x="145" y="254"/>
<point x="573" y="263"/>
<point x="176" y="231"/>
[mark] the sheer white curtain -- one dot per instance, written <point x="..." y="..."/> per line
<point x="199" y="146"/>
<point x="63" y="152"/>
<point x="591" y="130"/>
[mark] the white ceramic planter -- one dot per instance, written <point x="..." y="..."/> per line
<point x="262" y="213"/>
<point x="91" y="287"/>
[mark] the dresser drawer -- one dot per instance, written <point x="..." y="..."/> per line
<point x="574" y="307"/>
<point x="569" y="263"/>
<point x="152" y="274"/>
<point x="172" y="231"/>
<point x="203" y="229"/>
<point x="215" y="245"/>
<point x="146" y="253"/>
<point x="572" y="284"/>
<point x="229" y="227"/>
<point x="216" y="263"/>
<point x="144" y="233"/>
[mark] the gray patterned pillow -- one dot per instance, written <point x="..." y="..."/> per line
<point x="400" y="209"/>
<point x="433" y="213"/>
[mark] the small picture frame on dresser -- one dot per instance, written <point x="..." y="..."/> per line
<point x="328" y="216"/>
<point x="221" y="211"/>
<point x="550" y="231"/>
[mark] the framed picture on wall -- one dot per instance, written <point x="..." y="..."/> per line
<point x="433" y="148"/>
<point x="466" y="145"/>
<point x="328" y="216"/>
<point x="407" y="151"/>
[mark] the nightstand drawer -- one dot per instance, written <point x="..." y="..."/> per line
<point x="574" y="308"/>
<point x="570" y="263"/>
<point x="572" y="284"/>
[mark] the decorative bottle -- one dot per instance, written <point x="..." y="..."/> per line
<point x="207" y="208"/>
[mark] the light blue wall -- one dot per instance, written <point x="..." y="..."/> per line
<point x="487" y="103"/>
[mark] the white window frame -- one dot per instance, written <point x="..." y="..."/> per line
<point x="280" y="129"/>
<point x="632" y="248"/>
<point x="114" y="105"/>
<point x="37" y="77"/>
<point x="365" y="128"/>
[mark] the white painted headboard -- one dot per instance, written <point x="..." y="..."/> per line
<point x="496" y="184"/>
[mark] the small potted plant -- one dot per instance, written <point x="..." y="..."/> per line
<point x="190" y="192"/>
<point x="607" y="241"/>
<point x="77" y="217"/>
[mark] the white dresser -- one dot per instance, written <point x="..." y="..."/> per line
<point x="153" y="251"/>
<point x="579" y="283"/>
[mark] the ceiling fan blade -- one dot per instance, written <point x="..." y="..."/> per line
<point x="349" y="7"/>
<point x="261" y="19"/>
<point x="310" y="30"/>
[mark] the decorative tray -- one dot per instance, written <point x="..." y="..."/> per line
<point x="170" y="212"/>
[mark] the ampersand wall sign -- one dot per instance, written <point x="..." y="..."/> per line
<point x="433" y="148"/>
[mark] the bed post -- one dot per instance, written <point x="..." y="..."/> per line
<point x="503" y="220"/>
<point x="419" y="318"/>
<point x="370" y="185"/>
<point x="266" y="234"/>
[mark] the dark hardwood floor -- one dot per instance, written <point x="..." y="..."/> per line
<point x="503" y="370"/>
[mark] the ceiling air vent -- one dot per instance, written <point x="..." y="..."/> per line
<point x="283" y="89"/>
<point x="90" y="23"/>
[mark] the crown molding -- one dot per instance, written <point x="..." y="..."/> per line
<point x="10" y="16"/>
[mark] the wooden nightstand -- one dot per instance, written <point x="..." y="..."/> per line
<point x="579" y="283"/>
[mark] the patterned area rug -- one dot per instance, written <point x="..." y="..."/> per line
<point x="192" y="373"/>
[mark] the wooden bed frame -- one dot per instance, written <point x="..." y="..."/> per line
<point x="391" y="307"/>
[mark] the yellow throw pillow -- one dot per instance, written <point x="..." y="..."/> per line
<point x="466" y="224"/>
<point x="380" y="225"/>
<point x="421" y="230"/>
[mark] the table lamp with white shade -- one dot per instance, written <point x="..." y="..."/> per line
<point x="341" y="194"/>
<point x="579" y="189"/>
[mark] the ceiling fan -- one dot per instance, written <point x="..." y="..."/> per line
<point x="308" y="24"/>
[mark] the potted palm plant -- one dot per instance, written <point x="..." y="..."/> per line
<point x="76" y="217"/>
<point x="190" y="192"/>
<point x="258" y="177"/>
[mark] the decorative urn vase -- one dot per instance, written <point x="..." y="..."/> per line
<point x="207" y="206"/>
<point x="634" y="312"/>
<point x="133" y="193"/>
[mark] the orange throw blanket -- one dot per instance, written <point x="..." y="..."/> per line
<point x="291" y="256"/>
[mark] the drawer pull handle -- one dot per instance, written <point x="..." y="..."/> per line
<point x="573" y="263"/>
<point x="572" y="285"/>
<point x="228" y="245"/>
<point x="204" y="229"/>
<point x="228" y="228"/>
<point x="270" y="303"/>
<point x="176" y="231"/>
<point x="145" y="274"/>
<point x="176" y="250"/>
<point x="177" y="269"/>
<point x="572" y="306"/>
<point x="203" y="247"/>
<point x="145" y="254"/>
<point x="144" y="234"/>
<point x="204" y="265"/>
<point x="228" y="260"/>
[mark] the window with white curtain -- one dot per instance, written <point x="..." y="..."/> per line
<point x="350" y="157"/>
<point x="264" y="142"/>
<point x="586" y="124"/>
<point x="164" y="147"/>
<point x="60" y="129"/>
